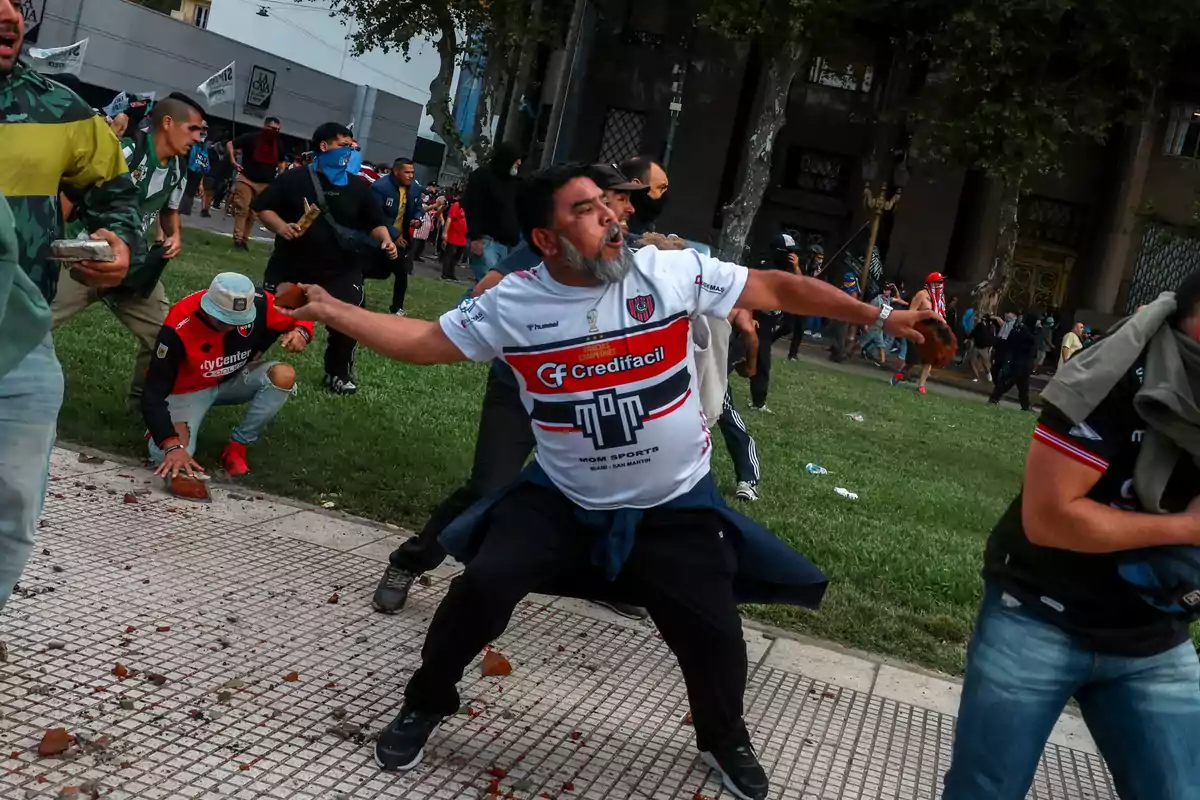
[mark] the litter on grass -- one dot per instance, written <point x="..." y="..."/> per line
<point x="846" y="493"/>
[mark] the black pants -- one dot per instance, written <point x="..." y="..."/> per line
<point x="760" y="384"/>
<point x="345" y="286"/>
<point x="793" y="325"/>
<point x="401" y="268"/>
<point x="450" y="258"/>
<point x="502" y="447"/>
<point x="417" y="246"/>
<point x="681" y="569"/>
<point x="190" y="188"/>
<point x="1014" y="375"/>
<point x="739" y="442"/>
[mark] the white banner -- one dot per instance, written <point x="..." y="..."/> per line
<point x="219" y="88"/>
<point x="54" y="60"/>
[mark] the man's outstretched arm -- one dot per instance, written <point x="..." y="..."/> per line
<point x="771" y="290"/>
<point x="401" y="338"/>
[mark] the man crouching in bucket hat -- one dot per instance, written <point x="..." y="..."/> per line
<point x="1093" y="574"/>
<point x="209" y="353"/>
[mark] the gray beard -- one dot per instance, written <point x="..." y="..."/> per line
<point x="601" y="269"/>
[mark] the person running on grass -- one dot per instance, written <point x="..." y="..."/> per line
<point x="931" y="298"/>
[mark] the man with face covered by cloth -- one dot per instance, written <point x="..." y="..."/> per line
<point x="619" y="499"/>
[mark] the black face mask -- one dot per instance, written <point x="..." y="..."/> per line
<point x="647" y="208"/>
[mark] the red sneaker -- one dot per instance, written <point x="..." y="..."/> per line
<point x="920" y="389"/>
<point x="233" y="459"/>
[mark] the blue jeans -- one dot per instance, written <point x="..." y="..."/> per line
<point x="252" y="385"/>
<point x="813" y="324"/>
<point x="31" y="394"/>
<point x="493" y="254"/>
<point x="1144" y="713"/>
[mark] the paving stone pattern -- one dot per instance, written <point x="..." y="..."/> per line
<point x="226" y="601"/>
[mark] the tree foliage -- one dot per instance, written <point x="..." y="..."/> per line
<point x="459" y="29"/>
<point x="1014" y="83"/>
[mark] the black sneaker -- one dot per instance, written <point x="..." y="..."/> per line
<point x="625" y="610"/>
<point x="401" y="745"/>
<point x="392" y="592"/>
<point x="740" y="771"/>
<point x="241" y="246"/>
<point x="340" y="386"/>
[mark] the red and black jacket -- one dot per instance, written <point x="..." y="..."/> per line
<point x="190" y="355"/>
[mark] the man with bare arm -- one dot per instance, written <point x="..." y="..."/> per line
<point x="931" y="298"/>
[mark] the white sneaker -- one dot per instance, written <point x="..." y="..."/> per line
<point x="816" y="336"/>
<point x="401" y="313"/>
<point x="974" y="380"/>
<point x="747" y="491"/>
<point x="807" y="332"/>
<point x="763" y="409"/>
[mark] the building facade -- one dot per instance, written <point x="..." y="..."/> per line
<point x="132" y="48"/>
<point x="1112" y="232"/>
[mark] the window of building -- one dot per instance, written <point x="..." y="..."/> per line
<point x="815" y="171"/>
<point x="1049" y="221"/>
<point x="841" y="73"/>
<point x="622" y="135"/>
<point x="200" y="16"/>
<point x="1183" y="131"/>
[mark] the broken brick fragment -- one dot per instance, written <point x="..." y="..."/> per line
<point x="54" y="742"/>
<point x="687" y="719"/>
<point x="163" y="628"/>
<point x="156" y="679"/>
<point x="130" y="629"/>
<point x="495" y="665"/>
<point x="568" y="787"/>
<point x="576" y="736"/>
<point x="131" y="498"/>
<point x="292" y="677"/>
<point x="333" y="598"/>
<point x="497" y="772"/>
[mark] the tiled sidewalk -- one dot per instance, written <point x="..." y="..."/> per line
<point x="257" y="670"/>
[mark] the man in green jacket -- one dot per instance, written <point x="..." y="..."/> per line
<point x="61" y="143"/>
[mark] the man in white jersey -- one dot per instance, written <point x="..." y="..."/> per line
<point x="619" y="499"/>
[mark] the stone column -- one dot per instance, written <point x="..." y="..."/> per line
<point x="1117" y="241"/>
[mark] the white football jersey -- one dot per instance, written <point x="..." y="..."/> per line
<point x="607" y="373"/>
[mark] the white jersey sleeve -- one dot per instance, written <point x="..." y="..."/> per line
<point x="475" y="328"/>
<point x="703" y="285"/>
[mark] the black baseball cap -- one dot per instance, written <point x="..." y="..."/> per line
<point x="609" y="176"/>
<point x="785" y="242"/>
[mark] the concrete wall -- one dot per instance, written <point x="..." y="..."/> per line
<point x="133" y="48"/>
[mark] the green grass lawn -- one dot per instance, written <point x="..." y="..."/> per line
<point x="932" y="473"/>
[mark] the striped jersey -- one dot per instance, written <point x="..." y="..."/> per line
<point x="608" y="373"/>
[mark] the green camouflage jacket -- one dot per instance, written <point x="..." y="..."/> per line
<point x="51" y="138"/>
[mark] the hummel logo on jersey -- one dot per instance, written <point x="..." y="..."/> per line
<point x="1085" y="431"/>
<point x="545" y="326"/>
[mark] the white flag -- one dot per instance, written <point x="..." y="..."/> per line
<point x="219" y="88"/>
<point x="54" y="60"/>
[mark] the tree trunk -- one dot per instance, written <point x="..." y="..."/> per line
<point x="439" y="91"/>
<point x="772" y="101"/>
<point x="514" y="127"/>
<point x="991" y="292"/>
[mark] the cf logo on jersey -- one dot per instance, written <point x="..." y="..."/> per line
<point x="552" y="375"/>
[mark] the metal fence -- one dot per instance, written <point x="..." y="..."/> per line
<point x="1166" y="257"/>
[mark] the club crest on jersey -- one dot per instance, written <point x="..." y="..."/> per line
<point x="162" y="351"/>
<point x="246" y="330"/>
<point x="641" y="307"/>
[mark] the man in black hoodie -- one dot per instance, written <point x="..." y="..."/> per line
<point x="490" y="202"/>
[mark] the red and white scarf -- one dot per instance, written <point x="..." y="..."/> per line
<point x="937" y="298"/>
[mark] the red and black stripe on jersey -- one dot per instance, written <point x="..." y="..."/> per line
<point x="190" y="355"/>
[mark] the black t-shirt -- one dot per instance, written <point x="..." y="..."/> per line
<point x="255" y="170"/>
<point x="1079" y="592"/>
<point x="318" y="253"/>
<point x="984" y="334"/>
